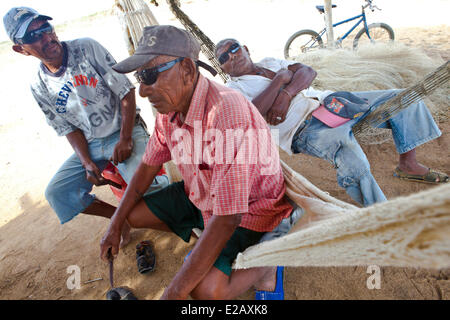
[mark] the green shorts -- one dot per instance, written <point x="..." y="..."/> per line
<point x="172" y="206"/>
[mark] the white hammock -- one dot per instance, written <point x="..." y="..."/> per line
<point x="411" y="231"/>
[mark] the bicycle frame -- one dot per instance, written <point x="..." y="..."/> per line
<point x="363" y="19"/>
<point x="310" y="40"/>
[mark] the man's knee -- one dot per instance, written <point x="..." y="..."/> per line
<point x="347" y="181"/>
<point x="209" y="291"/>
<point x="352" y="175"/>
<point x="142" y="217"/>
<point x="214" y="286"/>
<point x="51" y="192"/>
<point x="351" y="163"/>
<point x="135" y="220"/>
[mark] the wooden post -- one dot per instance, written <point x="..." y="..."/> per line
<point x="329" y="24"/>
<point x="134" y="15"/>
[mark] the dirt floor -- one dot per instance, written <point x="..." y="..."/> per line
<point x="36" y="252"/>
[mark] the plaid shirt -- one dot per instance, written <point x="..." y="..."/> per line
<point x="217" y="151"/>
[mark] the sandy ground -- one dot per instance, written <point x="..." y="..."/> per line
<point x="36" y="251"/>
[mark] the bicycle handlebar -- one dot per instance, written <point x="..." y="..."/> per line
<point x="371" y="6"/>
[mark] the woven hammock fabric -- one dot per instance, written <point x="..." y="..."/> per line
<point x="411" y="231"/>
<point x="409" y="96"/>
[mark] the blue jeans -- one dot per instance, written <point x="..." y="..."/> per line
<point x="285" y="225"/>
<point x="410" y="128"/>
<point x="68" y="192"/>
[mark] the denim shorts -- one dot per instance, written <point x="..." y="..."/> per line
<point x="172" y="206"/>
<point x="68" y="192"/>
<point x="285" y="225"/>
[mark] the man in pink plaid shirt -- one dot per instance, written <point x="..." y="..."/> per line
<point x="232" y="188"/>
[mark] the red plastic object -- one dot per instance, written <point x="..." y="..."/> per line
<point x="112" y="173"/>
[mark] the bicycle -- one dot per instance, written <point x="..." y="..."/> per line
<point x="307" y="40"/>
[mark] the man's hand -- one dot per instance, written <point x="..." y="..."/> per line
<point x="111" y="240"/>
<point x="277" y="113"/>
<point x="284" y="76"/>
<point x="266" y="99"/>
<point x="137" y="186"/>
<point x="122" y="150"/>
<point x="93" y="174"/>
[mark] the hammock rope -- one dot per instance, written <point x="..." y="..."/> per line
<point x="404" y="99"/>
<point x="206" y="45"/>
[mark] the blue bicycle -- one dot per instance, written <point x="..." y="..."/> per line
<point x="306" y="40"/>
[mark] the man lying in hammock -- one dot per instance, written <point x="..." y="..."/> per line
<point x="233" y="198"/>
<point x="282" y="92"/>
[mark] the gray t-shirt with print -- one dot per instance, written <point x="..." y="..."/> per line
<point x="85" y="93"/>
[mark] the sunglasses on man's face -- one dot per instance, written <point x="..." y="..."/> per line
<point x="35" y="35"/>
<point x="232" y="49"/>
<point x="149" y="76"/>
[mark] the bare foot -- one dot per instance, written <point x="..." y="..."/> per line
<point x="269" y="281"/>
<point x="126" y="236"/>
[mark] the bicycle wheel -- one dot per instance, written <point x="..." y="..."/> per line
<point x="379" y="32"/>
<point x="302" y="41"/>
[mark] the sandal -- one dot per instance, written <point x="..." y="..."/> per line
<point x="429" y="177"/>
<point x="120" y="293"/>
<point x="145" y="257"/>
<point x="278" y="293"/>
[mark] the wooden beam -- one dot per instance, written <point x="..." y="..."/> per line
<point x="329" y="24"/>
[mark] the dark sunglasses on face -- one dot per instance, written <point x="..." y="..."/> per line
<point x="149" y="76"/>
<point x="232" y="49"/>
<point x="35" y="35"/>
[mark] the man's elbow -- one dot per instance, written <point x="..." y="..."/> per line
<point x="130" y="98"/>
<point x="232" y="221"/>
<point x="237" y="219"/>
<point x="312" y="73"/>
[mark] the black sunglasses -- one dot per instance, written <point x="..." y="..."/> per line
<point x="149" y="76"/>
<point x="35" y="35"/>
<point x="232" y="49"/>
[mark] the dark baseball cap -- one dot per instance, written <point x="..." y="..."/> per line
<point x="340" y="107"/>
<point x="163" y="40"/>
<point x="17" y="20"/>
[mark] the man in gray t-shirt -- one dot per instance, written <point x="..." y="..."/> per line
<point x="89" y="103"/>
